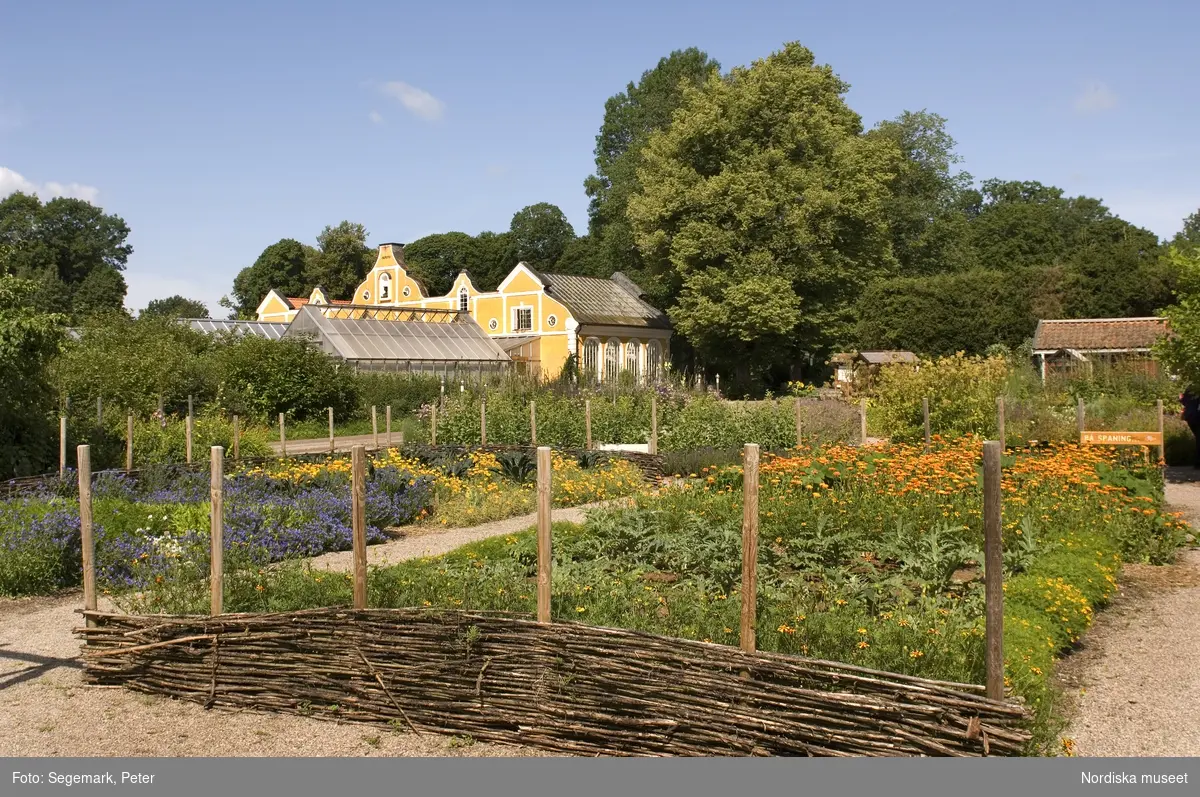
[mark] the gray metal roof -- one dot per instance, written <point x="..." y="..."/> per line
<point x="263" y="329"/>
<point x="885" y="357"/>
<point x="615" y="301"/>
<point x="383" y="340"/>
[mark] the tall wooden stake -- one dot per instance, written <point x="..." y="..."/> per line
<point x="543" y="534"/>
<point x="129" y="445"/>
<point x="62" y="445"/>
<point x="282" y="437"/>
<point x="358" y="518"/>
<point x="216" y="524"/>
<point x="433" y="425"/>
<point x="191" y="412"/>
<point x="799" y="425"/>
<point x="332" y="442"/>
<point x="533" y="423"/>
<point x="188" y="435"/>
<point x="1000" y="422"/>
<point x="99" y="411"/>
<point x="374" y="427"/>
<point x="387" y="424"/>
<point x="925" y="412"/>
<point x="237" y="439"/>
<point x="862" y="415"/>
<point x="587" y="423"/>
<point x="749" y="546"/>
<point x="84" y="456"/>
<point x="993" y="568"/>
<point x="1079" y="416"/>
<point x="483" y="422"/>
<point x="653" y="424"/>
<point x="1162" y="452"/>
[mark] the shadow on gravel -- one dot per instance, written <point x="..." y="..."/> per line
<point x="41" y="666"/>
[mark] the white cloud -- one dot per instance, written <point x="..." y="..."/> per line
<point x="11" y="182"/>
<point x="375" y="117"/>
<point x="420" y="102"/>
<point x="1096" y="97"/>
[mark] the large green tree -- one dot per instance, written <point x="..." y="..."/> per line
<point x="281" y="266"/>
<point x="1188" y="237"/>
<point x="176" y="307"/>
<point x="1180" y="352"/>
<point x="763" y="184"/>
<point x="539" y="234"/>
<point x="29" y="339"/>
<point x="630" y="117"/>
<point x="341" y="261"/>
<point x="71" y="249"/>
<point x="437" y="259"/>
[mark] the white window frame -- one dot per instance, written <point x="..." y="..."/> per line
<point x="516" y="318"/>
<point x="607" y="375"/>
<point x="464" y="300"/>
<point x="385" y="286"/>
<point x="634" y="364"/>
<point x="592" y="369"/>
<point x="653" y="361"/>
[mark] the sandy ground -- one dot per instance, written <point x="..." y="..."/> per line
<point x="1134" y="685"/>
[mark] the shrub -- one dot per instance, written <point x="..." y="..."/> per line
<point x="962" y="394"/>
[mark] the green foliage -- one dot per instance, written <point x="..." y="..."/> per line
<point x="962" y="394"/>
<point x="341" y="262"/>
<point x="156" y="442"/>
<point x="1180" y="352"/>
<point x="516" y="466"/>
<point x="589" y="459"/>
<point x="436" y="260"/>
<point x="281" y="267"/>
<point x="28" y="341"/>
<point x="176" y="307"/>
<point x="764" y="186"/>
<point x="262" y="378"/>
<point x="540" y="234"/>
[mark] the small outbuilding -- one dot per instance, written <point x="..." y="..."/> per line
<point x="853" y="366"/>
<point x="1064" y="344"/>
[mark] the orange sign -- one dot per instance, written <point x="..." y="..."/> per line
<point x="1120" y="438"/>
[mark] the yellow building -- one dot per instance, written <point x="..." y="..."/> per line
<point x="540" y="319"/>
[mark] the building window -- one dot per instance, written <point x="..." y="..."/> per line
<point x="493" y="324"/>
<point x="591" y="359"/>
<point x="653" y="361"/>
<point x="366" y="296"/>
<point x="612" y="360"/>
<point x="464" y="301"/>
<point x="523" y="319"/>
<point x="552" y="321"/>
<point x="633" y="358"/>
<point x="385" y="286"/>
<point x="407" y="291"/>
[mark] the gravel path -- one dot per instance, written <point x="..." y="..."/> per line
<point x="47" y="710"/>
<point x="1134" y="686"/>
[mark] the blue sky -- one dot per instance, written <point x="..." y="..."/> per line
<point x="216" y="129"/>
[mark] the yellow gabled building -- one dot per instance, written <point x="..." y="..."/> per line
<point x="540" y="319"/>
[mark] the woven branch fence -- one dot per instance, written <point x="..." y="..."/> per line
<point x="562" y="687"/>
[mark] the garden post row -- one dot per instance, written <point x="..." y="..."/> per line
<point x="62" y="445"/>
<point x="358" y="519"/>
<point x="799" y="425"/>
<point x="282" y="437"/>
<point x="653" y="424"/>
<point x="993" y="568"/>
<point x="237" y="435"/>
<point x="332" y="443"/>
<point x="749" y="546"/>
<point x="862" y="412"/>
<point x="925" y="412"/>
<point x="188" y="437"/>
<point x="374" y="428"/>
<point x="84" y="455"/>
<point x="1079" y="416"/>
<point x="432" y="425"/>
<point x="99" y="412"/>
<point x="1162" y="450"/>
<point x="587" y="423"/>
<point x="543" y="534"/>
<point x="533" y="423"/>
<point x="129" y="445"/>
<point x="387" y="425"/>
<point x="216" y="524"/>
<point x="483" y="422"/>
<point x="1000" y="422"/>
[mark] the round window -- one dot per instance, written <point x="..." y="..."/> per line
<point x="367" y="295"/>
<point x="493" y="324"/>
<point x="552" y="320"/>
<point x="407" y="291"/>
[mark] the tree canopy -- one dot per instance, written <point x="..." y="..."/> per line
<point x="176" y="307"/>
<point x="281" y="266"/>
<point x="539" y="234"/>
<point x="341" y="260"/>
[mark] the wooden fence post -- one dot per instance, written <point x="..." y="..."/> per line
<point x="216" y="524"/>
<point x="188" y="437"/>
<point x="62" y="445"/>
<point x="799" y="425"/>
<point x="433" y="425"/>
<point x="925" y="412"/>
<point x="332" y="442"/>
<point x="533" y="423"/>
<point x="84" y="455"/>
<point x="237" y="439"/>
<point x="1079" y="416"/>
<point x="282" y="437"/>
<point x="99" y="411"/>
<point x="374" y="427"/>
<point x="993" y="568"/>
<point x="1000" y="422"/>
<point x="587" y="423"/>
<point x="358" y="518"/>
<point x="387" y="424"/>
<point x="749" y="546"/>
<point x="191" y="413"/>
<point x="129" y="445"/>
<point x="483" y="421"/>
<point x="653" y="423"/>
<point x="862" y="413"/>
<point x="1162" y="447"/>
<point x="543" y="534"/>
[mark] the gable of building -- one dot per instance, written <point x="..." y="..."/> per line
<point x="1098" y="335"/>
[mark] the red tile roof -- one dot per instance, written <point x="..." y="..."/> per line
<point x="1098" y="334"/>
